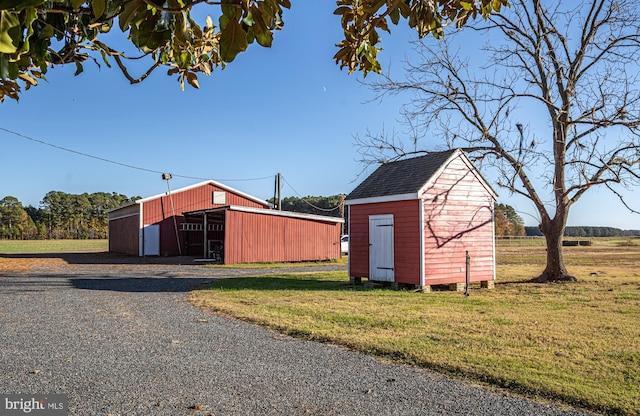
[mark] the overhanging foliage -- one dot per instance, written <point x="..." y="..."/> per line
<point x="37" y="34"/>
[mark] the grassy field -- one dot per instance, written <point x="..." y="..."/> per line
<point x="52" y="246"/>
<point x="578" y="343"/>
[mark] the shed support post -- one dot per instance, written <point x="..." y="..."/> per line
<point x="424" y="289"/>
<point x="467" y="273"/>
<point x="205" y="243"/>
<point x="487" y="284"/>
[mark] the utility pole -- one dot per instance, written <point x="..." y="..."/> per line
<point x="342" y="198"/>
<point x="166" y="177"/>
<point x="277" y="193"/>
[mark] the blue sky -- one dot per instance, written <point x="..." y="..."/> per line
<point x="287" y="109"/>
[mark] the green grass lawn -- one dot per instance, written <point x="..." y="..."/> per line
<point x="578" y="343"/>
<point x="52" y="246"/>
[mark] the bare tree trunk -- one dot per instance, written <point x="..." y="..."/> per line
<point x="555" y="270"/>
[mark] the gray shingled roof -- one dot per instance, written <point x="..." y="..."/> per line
<point x="401" y="177"/>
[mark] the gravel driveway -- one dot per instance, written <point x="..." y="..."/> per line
<point x="119" y="339"/>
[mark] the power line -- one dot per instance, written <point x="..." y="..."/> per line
<point x="126" y="165"/>
<point x="307" y="202"/>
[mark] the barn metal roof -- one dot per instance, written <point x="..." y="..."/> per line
<point x="404" y="179"/>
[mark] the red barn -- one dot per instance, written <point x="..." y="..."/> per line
<point x="213" y="221"/>
<point x="413" y="221"/>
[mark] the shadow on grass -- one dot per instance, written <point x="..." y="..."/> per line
<point x="280" y="282"/>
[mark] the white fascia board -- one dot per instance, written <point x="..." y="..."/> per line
<point x="438" y="172"/>
<point x="288" y="214"/>
<point x="422" y="245"/>
<point x="386" y="198"/>
<point x="141" y="233"/>
<point x="209" y="182"/>
<point x="472" y="169"/>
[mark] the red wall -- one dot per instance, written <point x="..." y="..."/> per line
<point x="253" y="237"/>
<point x="156" y="210"/>
<point x="458" y="218"/>
<point x="159" y="211"/>
<point x="406" y="238"/>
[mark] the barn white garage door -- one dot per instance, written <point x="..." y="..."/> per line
<point x="381" y="248"/>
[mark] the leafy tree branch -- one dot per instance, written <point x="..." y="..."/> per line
<point x="36" y="34"/>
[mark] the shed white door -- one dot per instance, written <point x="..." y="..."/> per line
<point x="151" y="240"/>
<point x="381" y="248"/>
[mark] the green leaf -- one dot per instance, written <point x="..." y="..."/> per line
<point x="19" y="4"/>
<point x="14" y="71"/>
<point x="30" y="16"/>
<point x="129" y="14"/>
<point x="233" y="40"/>
<point x="98" y="7"/>
<point x="248" y="20"/>
<point x="4" y="66"/>
<point x="46" y="32"/>
<point x="466" y="5"/>
<point x="8" y="21"/>
<point x="231" y="10"/>
<point x="77" y="3"/>
<point x="395" y="15"/>
<point x="181" y="29"/>
<point x="263" y="36"/>
<point x="79" y="68"/>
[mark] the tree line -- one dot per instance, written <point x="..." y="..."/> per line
<point x="586" y="231"/>
<point x="60" y="216"/>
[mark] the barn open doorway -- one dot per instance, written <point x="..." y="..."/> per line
<point x="204" y="234"/>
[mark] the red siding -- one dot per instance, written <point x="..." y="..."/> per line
<point x="194" y="199"/>
<point x="458" y="218"/>
<point x="123" y="235"/>
<point x="160" y="211"/>
<point x="252" y="237"/>
<point x="406" y="236"/>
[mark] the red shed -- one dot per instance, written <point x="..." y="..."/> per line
<point x="212" y="220"/>
<point x="413" y="221"/>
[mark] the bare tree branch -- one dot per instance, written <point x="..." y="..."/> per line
<point x="574" y="64"/>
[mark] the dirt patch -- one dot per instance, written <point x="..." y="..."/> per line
<point x="24" y="265"/>
<point x="53" y="262"/>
